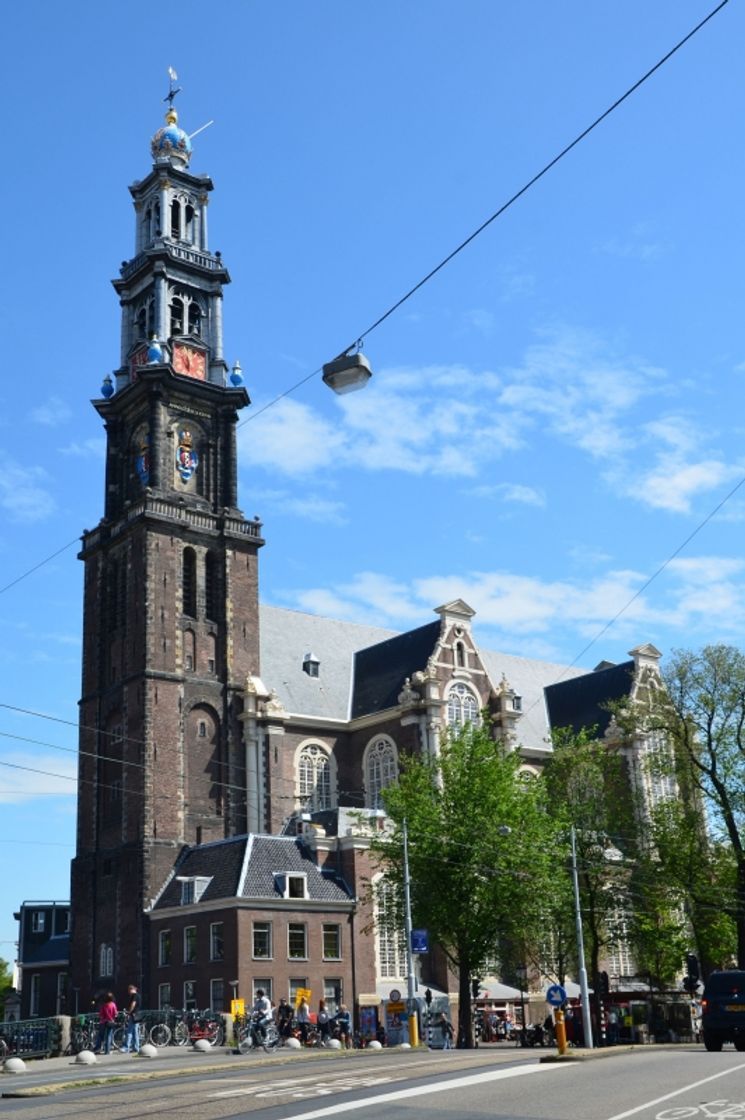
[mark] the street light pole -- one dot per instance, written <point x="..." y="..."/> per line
<point x="413" y="1022"/>
<point x="584" y="991"/>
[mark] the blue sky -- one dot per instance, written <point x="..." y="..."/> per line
<point x="550" y="418"/>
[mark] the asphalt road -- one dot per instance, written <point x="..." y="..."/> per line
<point x="649" y="1083"/>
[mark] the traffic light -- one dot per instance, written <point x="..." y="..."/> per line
<point x="475" y="985"/>
<point x="428" y="997"/>
<point x="603" y="984"/>
<point x="690" y="984"/>
<point x="692" y="966"/>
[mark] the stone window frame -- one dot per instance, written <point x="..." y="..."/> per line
<point x="380" y="768"/>
<point x="462" y="706"/>
<point x="324" y="760"/>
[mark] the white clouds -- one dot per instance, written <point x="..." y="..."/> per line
<point x="571" y="389"/>
<point x="94" y="448"/>
<point x="24" y="496"/>
<point x="52" y="413"/>
<point x="702" y="595"/>
<point x="311" y="507"/>
<point x="24" y="777"/>
<point x="639" y="244"/>
<point x="673" y="484"/>
<point x="511" y="492"/>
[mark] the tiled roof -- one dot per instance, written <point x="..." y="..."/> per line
<point x="272" y="854"/>
<point x="582" y="702"/>
<point x="222" y="862"/>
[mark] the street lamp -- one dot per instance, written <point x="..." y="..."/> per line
<point x="347" y="373"/>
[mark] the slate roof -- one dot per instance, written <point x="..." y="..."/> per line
<point x="581" y="702"/>
<point x="286" y="636"/>
<point x="363" y="668"/>
<point x="380" y="670"/>
<point x="530" y="680"/>
<point x="245" y="866"/>
<point x="270" y="854"/>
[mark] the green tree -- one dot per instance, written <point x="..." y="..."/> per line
<point x="590" y="792"/>
<point x="482" y="850"/>
<point x="701" y="713"/>
<point x="6" y="983"/>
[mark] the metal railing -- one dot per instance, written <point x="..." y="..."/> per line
<point x="31" y="1038"/>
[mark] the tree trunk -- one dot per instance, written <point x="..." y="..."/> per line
<point x="465" y="1017"/>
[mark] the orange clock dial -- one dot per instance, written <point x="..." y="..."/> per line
<point x="189" y="362"/>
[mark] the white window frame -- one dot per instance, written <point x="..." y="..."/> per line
<point x="164" y="990"/>
<point x="331" y="926"/>
<point x="190" y="930"/>
<point x="214" y="935"/>
<point x="162" y="935"/>
<point x="315" y="777"/>
<point x="38" y="921"/>
<point x="462" y="706"/>
<point x="269" y="955"/>
<point x="294" y="926"/>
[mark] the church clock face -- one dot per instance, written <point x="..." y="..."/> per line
<point x="189" y="361"/>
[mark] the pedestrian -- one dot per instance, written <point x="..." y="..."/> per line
<point x="284" y="1018"/>
<point x="446" y="1027"/>
<point x="343" y="1022"/>
<point x="132" y="1023"/>
<point x="322" y="1022"/>
<point x="302" y="1015"/>
<point x="107" y="1013"/>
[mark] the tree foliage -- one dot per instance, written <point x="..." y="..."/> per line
<point x="482" y="850"/>
<point x="6" y="983"/>
<point x="701" y="711"/>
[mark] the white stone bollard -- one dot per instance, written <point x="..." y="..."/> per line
<point x="14" y="1065"/>
<point x="293" y="1044"/>
<point x="374" y="1045"/>
<point x="147" y="1050"/>
<point x="202" y="1045"/>
<point x="85" y="1058"/>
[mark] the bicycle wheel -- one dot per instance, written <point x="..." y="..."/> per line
<point x="117" y="1038"/>
<point x="3" y="1049"/>
<point x="245" y="1039"/>
<point x="271" y="1039"/>
<point x="180" y="1033"/>
<point x="160" y="1034"/>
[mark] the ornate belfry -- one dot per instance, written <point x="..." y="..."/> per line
<point x="170" y="627"/>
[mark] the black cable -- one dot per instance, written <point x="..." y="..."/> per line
<point x="497" y="213"/>
<point x="76" y="540"/>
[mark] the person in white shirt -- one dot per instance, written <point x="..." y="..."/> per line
<point x="262" y="1010"/>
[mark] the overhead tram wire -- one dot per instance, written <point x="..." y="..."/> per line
<point x="497" y="213"/>
<point x="458" y="249"/>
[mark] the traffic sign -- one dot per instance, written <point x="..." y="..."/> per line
<point x="556" y="995"/>
<point x="419" y="941"/>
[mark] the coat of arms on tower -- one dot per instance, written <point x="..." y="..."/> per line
<point x="187" y="459"/>
<point x="142" y="460"/>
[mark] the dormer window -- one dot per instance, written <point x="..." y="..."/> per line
<point x="517" y="703"/>
<point x="292" y="884"/>
<point x="192" y="889"/>
<point x="311" y="665"/>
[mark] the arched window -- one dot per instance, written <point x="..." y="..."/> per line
<point x="195" y="318"/>
<point x="463" y="706"/>
<point x="390" y="938"/>
<point x="314" y="778"/>
<point x="381" y="770"/>
<point x="189" y="222"/>
<point x="210" y="588"/>
<point x="177" y="315"/>
<point x="176" y="219"/>
<point x="459" y="656"/>
<point x="189" y="582"/>
<point x="189" y="651"/>
<point x="106" y="960"/>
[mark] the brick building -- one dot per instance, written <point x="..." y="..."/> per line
<point x="232" y="755"/>
<point x="44" y="959"/>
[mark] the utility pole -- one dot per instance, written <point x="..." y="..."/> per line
<point x="584" y="991"/>
<point x="411" y="1004"/>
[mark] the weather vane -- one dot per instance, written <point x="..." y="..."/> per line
<point x="172" y="77"/>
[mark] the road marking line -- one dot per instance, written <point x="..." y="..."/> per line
<point x="675" y="1093"/>
<point x="422" y="1090"/>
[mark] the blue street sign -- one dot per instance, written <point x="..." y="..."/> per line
<point x="556" y="995"/>
<point x="419" y="941"/>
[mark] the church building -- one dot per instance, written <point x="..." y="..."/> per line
<point x="233" y="754"/>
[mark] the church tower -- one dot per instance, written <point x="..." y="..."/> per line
<point x="170" y="627"/>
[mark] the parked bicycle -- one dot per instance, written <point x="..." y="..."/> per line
<point x="189" y="1026"/>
